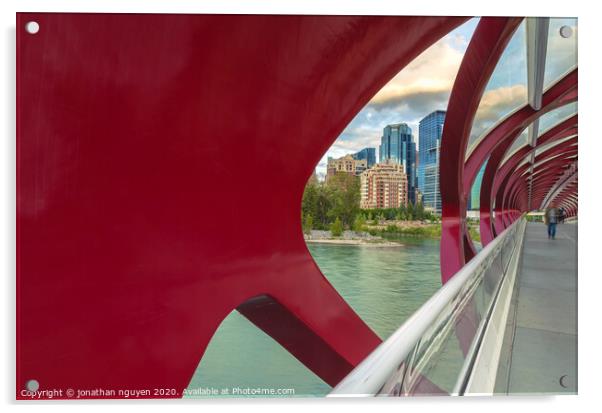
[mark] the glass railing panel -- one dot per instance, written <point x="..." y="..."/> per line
<point x="432" y="353"/>
<point x="561" y="55"/>
<point x="439" y="357"/>
<point x="521" y="141"/>
<point x="492" y="277"/>
<point x="554" y="117"/>
<point x="506" y="90"/>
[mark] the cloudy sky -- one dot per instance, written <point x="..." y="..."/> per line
<point x="425" y="85"/>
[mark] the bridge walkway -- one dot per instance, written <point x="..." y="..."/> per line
<point x="539" y="353"/>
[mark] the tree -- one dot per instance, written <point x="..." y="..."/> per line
<point x="308" y="224"/>
<point x="344" y="191"/>
<point x="336" y="228"/>
<point x="410" y="212"/>
<point x="359" y="222"/>
<point x="316" y="202"/>
<point x="419" y="211"/>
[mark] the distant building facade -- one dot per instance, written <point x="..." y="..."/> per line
<point x="384" y="186"/>
<point x="430" y="130"/>
<point x="369" y="154"/>
<point x="345" y="164"/>
<point x="398" y="146"/>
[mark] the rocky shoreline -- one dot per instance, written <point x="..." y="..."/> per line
<point x="349" y="238"/>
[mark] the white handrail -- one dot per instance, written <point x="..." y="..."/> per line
<point x="372" y="373"/>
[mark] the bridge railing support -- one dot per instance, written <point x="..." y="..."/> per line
<point x="438" y="349"/>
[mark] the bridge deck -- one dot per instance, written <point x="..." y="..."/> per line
<point x="540" y="346"/>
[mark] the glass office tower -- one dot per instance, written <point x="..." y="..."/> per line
<point x="398" y="146"/>
<point x="369" y="154"/>
<point x="430" y="130"/>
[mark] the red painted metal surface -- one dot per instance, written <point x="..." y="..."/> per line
<point x="161" y="161"/>
<point x="484" y="50"/>
<point x="551" y="165"/>
<point x="561" y="93"/>
<point x="496" y="143"/>
<point x="508" y="172"/>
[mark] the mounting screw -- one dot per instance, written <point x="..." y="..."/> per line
<point x="32" y="27"/>
<point x="566" y="31"/>
<point x="32" y="385"/>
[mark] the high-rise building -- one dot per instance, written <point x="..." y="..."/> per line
<point x="430" y="130"/>
<point x="384" y="186"/>
<point x="345" y="164"/>
<point x="368" y="154"/>
<point x="475" y="191"/>
<point x="398" y="146"/>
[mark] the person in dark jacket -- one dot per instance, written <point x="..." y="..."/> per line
<point x="551" y="217"/>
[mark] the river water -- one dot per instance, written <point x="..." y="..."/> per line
<point x="383" y="285"/>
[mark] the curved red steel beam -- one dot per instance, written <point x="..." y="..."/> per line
<point x="494" y="175"/>
<point x="562" y="130"/>
<point x="502" y="137"/>
<point x="484" y="50"/>
<point x="567" y="195"/>
<point x="518" y="185"/>
<point x="561" y="93"/>
<point x="554" y="163"/>
<point x="567" y="203"/>
<point x="503" y="195"/>
<point x="569" y="200"/>
<point x="546" y="183"/>
<point x="552" y="134"/>
<point x="520" y="155"/>
<point x="143" y="219"/>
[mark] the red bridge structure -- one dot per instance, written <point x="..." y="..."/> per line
<point x="161" y="162"/>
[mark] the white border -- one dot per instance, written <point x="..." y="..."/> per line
<point x="590" y="173"/>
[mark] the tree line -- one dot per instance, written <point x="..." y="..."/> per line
<point x="335" y="205"/>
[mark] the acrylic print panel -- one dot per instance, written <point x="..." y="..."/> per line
<point x="201" y="212"/>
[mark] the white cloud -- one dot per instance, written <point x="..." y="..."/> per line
<point x="425" y="85"/>
<point x="421" y="87"/>
<point x="430" y="76"/>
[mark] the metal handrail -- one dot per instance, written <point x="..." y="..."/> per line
<point x="465" y="374"/>
<point x="374" y="371"/>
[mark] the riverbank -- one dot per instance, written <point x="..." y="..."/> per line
<point x="379" y="232"/>
<point x="415" y="229"/>
<point x="349" y="238"/>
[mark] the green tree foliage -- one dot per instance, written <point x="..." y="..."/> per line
<point x="308" y="224"/>
<point x="336" y="228"/>
<point x="411" y="212"/>
<point x="317" y="202"/>
<point x="339" y="197"/>
<point x="345" y="196"/>
<point x="474" y="233"/>
<point x="419" y="211"/>
<point x="359" y="222"/>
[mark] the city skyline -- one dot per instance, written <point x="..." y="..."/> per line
<point x="425" y="84"/>
<point x="420" y="88"/>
